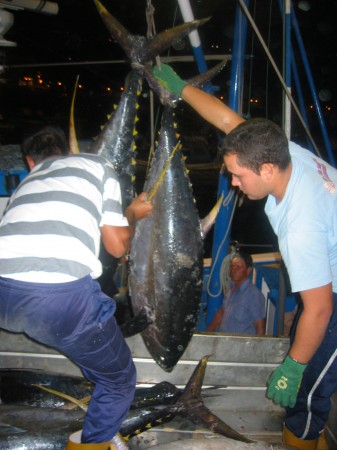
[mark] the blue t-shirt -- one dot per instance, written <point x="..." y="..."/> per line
<point x="242" y="308"/>
<point x="305" y="221"/>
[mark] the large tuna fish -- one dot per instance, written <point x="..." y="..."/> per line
<point x="167" y="256"/>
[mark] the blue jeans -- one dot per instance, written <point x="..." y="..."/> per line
<point x="311" y="412"/>
<point x="77" y="319"/>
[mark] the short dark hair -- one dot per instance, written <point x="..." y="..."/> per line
<point x="256" y="142"/>
<point x="49" y="141"/>
<point x="245" y="256"/>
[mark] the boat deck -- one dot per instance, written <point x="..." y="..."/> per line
<point x="234" y="385"/>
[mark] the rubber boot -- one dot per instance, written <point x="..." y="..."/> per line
<point x="292" y="440"/>
<point x="74" y="443"/>
<point x="322" y="443"/>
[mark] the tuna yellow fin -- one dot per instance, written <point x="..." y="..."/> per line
<point x="208" y="221"/>
<point x="73" y="144"/>
<point x="158" y="182"/>
<point x="79" y="403"/>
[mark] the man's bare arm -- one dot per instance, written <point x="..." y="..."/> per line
<point x="211" y="109"/>
<point x="117" y="240"/>
<point x="313" y="322"/>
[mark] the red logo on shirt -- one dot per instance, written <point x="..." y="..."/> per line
<point x="322" y="170"/>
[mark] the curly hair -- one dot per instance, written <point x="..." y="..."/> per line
<point x="256" y="142"/>
<point x="49" y="141"/>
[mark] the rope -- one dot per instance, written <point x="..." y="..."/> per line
<point x="267" y="68"/>
<point x="151" y="31"/>
<point x="225" y="204"/>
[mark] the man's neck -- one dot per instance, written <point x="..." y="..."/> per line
<point x="281" y="183"/>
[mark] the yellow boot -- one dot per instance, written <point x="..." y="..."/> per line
<point x="74" y="443"/>
<point x="322" y="443"/>
<point x="292" y="440"/>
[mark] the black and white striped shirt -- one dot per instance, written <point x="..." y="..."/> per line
<point x="50" y="232"/>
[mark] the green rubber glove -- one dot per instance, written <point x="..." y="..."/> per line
<point x="169" y="79"/>
<point x="285" y="381"/>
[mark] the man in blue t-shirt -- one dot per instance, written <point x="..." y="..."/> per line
<point x="244" y="306"/>
<point x="301" y="207"/>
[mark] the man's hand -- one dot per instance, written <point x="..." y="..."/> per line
<point x="139" y="208"/>
<point x="169" y="79"/>
<point x="285" y="381"/>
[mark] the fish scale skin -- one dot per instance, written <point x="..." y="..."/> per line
<point x="116" y="141"/>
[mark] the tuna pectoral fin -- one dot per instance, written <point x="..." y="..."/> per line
<point x="73" y="143"/>
<point x="208" y="221"/>
<point x="192" y="406"/>
<point x="136" y="325"/>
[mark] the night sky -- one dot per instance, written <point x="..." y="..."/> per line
<point x="37" y="82"/>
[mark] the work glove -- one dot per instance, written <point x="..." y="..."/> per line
<point x="169" y="79"/>
<point x="285" y="381"/>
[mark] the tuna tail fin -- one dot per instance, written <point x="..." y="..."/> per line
<point x="208" y="221"/>
<point x="162" y="41"/>
<point x="73" y="144"/>
<point x="192" y="405"/>
<point x="115" y="28"/>
<point x="141" y="50"/>
<point x="203" y="78"/>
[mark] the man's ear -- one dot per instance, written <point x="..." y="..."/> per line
<point x="30" y="162"/>
<point x="267" y="170"/>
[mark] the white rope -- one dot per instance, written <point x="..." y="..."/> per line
<point x="225" y="203"/>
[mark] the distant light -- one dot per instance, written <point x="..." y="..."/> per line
<point x="304" y="6"/>
<point x="59" y="83"/>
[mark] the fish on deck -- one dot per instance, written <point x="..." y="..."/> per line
<point x="28" y="419"/>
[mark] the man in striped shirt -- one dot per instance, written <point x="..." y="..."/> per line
<point x="49" y="245"/>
